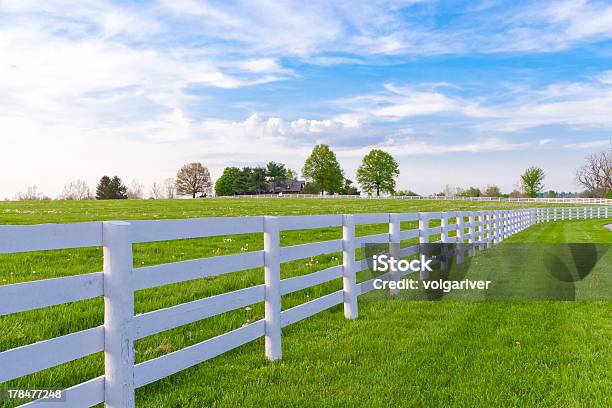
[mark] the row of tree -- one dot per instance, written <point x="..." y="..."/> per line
<point x="254" y="180"/>
<point x="376" y="175"/>
<point x="532" y="185"/>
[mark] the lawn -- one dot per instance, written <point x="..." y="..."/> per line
<point x="398" y="352"/>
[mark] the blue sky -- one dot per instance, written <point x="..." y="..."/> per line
<point x="461" y="93"/>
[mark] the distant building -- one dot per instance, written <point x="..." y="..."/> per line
<point x="292" y="187"/>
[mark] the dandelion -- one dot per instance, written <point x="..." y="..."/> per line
<point x="247" y="308"/>
<point x="33" y="272"/>
<point x="142" y="263"/>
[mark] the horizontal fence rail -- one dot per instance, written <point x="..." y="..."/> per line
<point x="119" y="280"/>
<point x="552" y="200"/>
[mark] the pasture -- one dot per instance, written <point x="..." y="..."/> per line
<point x="397" y="352"/>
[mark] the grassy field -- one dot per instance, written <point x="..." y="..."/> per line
<point x="398" y="352"/>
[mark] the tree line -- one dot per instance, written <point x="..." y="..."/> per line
<point x="376" y="175"/>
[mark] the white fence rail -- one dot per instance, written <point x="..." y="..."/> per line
<point x="118" y="282"/>
<point x="553" y="200"/>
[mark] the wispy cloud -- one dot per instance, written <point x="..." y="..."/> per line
<point x="587" y="145"/>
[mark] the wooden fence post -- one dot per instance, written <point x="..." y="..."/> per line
<point x="495" y="224"/>
<point x="423" y="239"/>
<point x="394" y="246"/>
<point x="118" y="315"/>
<point x="481" y="230"/>
<point x="272" y="288"/>
<point x="443" y="237"/>
<point x="349" y="267"/>
<point x="471" y="232"/>
<point x="460" y="239"/>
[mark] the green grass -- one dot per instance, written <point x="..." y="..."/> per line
<point x="397" y="353"/>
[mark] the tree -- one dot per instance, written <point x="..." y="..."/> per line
<point x="596" y="174"/>
<point x="405" y="193"/>
<point x="257" y="181"/>
<point x="193" y="178"/>
<point x="322" y="168"/>
<point x="77" y="190"/>
<point x="310" y="188"/>
<point x="470" y="192"/>
<point x="532" y="181"/>
<point x="291" y="175"/>
<point x="226" y="184"/>
<point x="169" y="188"/>
<point x="31" y="194"/>
<point x="136" y="190"/>
<point x="157" y="191"/>
<point x="450" y="191"/>
<point x="111" y="189"/>
<point x="276" y="174"/>
<point x="377" y="172"/>
<point x="348" y="188"/>
<point x="492" y="191"/>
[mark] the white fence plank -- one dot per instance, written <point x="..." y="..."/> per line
<point x="24" y="296"/>
<point x="297" y="222"/>
<point x="165" y="319"/>
<point x="372" y="239"/>
<point x="164" y="274"/>
<point x="362" y="265"/>
<point x="42" y="237"/>
<point x="86" y="394"/>
<point x="408" y="251"/>
<point x="368" y="286"/>
<point x="408" y="216"/>
<point x="165" y="230"/>
<point x="408" y="234"/>
<point x="292" y="253"/>
<point x="310" y="308"/>
<point x="361" y="219"/>
<point x="158" y="368"/>
<point x="44" y="354"/>
<point x="312" y="279"/>
<point x="434" y="230"/>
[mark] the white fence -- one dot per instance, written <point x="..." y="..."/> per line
<point x="119" y="280"/>
<point x="559" y="200"/>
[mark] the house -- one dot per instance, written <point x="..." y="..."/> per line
<point x="291" y="187"/>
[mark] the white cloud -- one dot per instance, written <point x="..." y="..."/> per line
<point x="581" y="105"/>
<point x="587" y="145"/>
